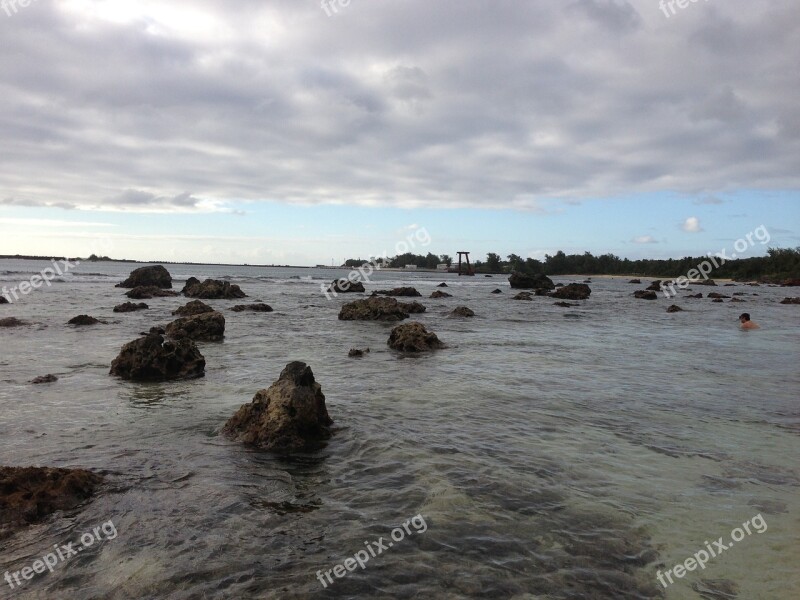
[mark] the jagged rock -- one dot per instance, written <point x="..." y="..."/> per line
<point x="655" y="286"/>
<point x="83" y="320"/>
<point x="565" y="305"/>
<point x="11" y="322"/>
<point x="44" y="379"/>
<point x="718" y="296"/>
<point x="150" y="291"/>
<point x="790" y="301"/>
<point x="155" y="276"/>
<point x="523" y="281"/>
<point x="257" y="307"/>
<point x="205" y="327"/>
<point x="289" y="416"/>
<point x="152" y="358"/>
<point x="190" y="309"/>
<point x="674" y="308"/>
<point x="438" y="294"/>
<point x="31" y="494"/>
<point x="636" y="281"/>
<point x="344" y="286"/>
<point x="573" y="291"/>
<point x="497" y="291"/>
<point x="523" y="296"/>
<point x="399" y="292"/>
<point x="413" y="337"/>
<point x="645" y="295"/>
<point x="462" y="311"/>
<point x="212" y="289"/>
<point x="373" y="309"/>
<point x="356" y="353"/>
<point x="445" y="285"/>
<point x="130" y="307"/>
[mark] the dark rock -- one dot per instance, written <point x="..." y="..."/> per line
<point x="373" y="309"/>
<point x="212" y="289"/>
<point x="3" y="300"/>
<point x="674" y="308"/>
<point x="344" y="286"/>
<point x="155" y="276"/>
<point x="130" y="307"/>
<point x="730" y="285"/>
<point x="154" y="331"/>
<point x="705" y="282"/>
<point x="645" y="295"/>
<point x="489" y="276"/>
<point x="152" y="358"/>
<point x="559" y="285"/>
<point x="498" y="291"/>
<point x="739" y="294"/>
<point x="44" y="379"/>
<point x="11" y="322"/>
<point x="190" y="309"/>
<point x="289" y="416"/>
<point x="83" y="320"/>
<point x="737" y="300"/>
<point x="523" y="281"/>
<point x="412" y="307"/>
<point x="655" y="286"/>
<point x="443" y="285"/>
<point x="718" y="300"/>
<point x="438" y="294"/>
<point x="565" y="304"/>
<point x="573" y="291"/>
<point x="790" y="301"/>
<point x="462" y="311"/>
<point x="147" y="292"/>
<point x="205" y="327"/>
<point x="716" y="295"/>
<point x="31" y="494"/>
<point x="587" y="281"/>
<point x="398" y="292"/>
<point x="790" y="283"/>
<point x="697" y="296"/>
<point x="523" y="296"/>
<point x="636" y="281"/>
<point x="356" y="353"/>
<point x="413" y="337"/>
<point x="257" y="307"/>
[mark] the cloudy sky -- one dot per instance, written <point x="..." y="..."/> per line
<point x="295" y="131"/>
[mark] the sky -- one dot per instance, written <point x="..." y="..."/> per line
<point x="307" y="132"/>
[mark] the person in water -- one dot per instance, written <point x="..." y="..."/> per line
<point x="746" y="323"/>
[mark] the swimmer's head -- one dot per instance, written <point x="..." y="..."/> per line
<point x="744" y="317"/>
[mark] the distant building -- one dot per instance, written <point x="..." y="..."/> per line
<point x="442" y="267"/>
<point x="411" y="267"/>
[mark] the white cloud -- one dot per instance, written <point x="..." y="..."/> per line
<point x="692" y="225"/>
<point x="644" y="239"/>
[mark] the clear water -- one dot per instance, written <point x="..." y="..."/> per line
<point x="554" y="453"/>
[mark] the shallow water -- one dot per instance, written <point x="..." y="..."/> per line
<point x="553" y="453"/>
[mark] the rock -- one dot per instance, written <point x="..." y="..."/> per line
<point x="289" y="416"/>
<point x="695" y="296"/>
<point x="413" y="337"/>
<point x="559" y="285"/>
<point x="636" y="281"/>
<point x="152" y="358"/>
<point x="438" y="294"/>
<point x="488" y="275"/>
<point x="717" y="296"/>
<point x="356" y="353"/>
<point x="717" y="300"/>
<point x="344" y="286"/>
<point x="705" y="282"/>
<point x="400" y="292"/>
<point x="445" y="285"/>
<point x="4" y="300"/>
<point x="737" y="300"/>
<point x="147" y="292"/>
<point x="497" y="291"/>
<point x="30" y="494"/>
<point x="205" y="327"/>
<point x="44" y="379"/>
<point x="154" y="331"/>
<point x="373" y="309"/>
<point x="565" y="304"/>
<point x="645" y="295"/>
<point x="739" y="294"/>
<point x="674" y="308"/>
<point x="655" y="286"/>
<point x="212" y="289"/>
<point x="730" y="285"/>
<point x="523" y="296"/>
<point x="130" y="307"/>
<point x="462" y="311"/>
<point x="790" y="283"/>
<point x="257" y="307"/>
<point x="523" y="281"/>
<point x="790" y="301"/>
<point x="190" y="309"/>
<point x="587" y="280"/>
<point x="573" y="291"/>
<point x="83" y="320"/>
<point x="155" y="276"/>
<point x="412" y="307"/>
<point x="11" y="322"/>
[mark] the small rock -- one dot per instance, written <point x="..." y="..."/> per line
<point x="205" y="327"/>
<point x="674" y="308"/>
<point x="636" y="281"/>
<point x="462" y="311"/>
<point x="497" y="291"/>
<point x="655" y="286"/>
<point x="355" y="352"/>
<point x="258" y="307"/>
<point x="565" y="304"/>
<point x="130" y="307"/>
<point x="438" y="294"/>
<point x="573" y="291"/>
<point x="148" y="292"/>
<point x="523" y="296"/>
<point x="412" y="307"/>
<point x="531" y="282"/>
<point x="717" y="296"/>
<point x="401" y="291"/>
<point x="373" y="309"/>
<point x="44" y="379"/>
<point x="212" y="289"/>
<point x="789" y="300"/>
<point x="719" y="300"/>
<point x="152" y="358"/>
<point x="645" y="295"/>
<point x="11" y="322"/>
<point x="83" y="320"/>
<point x="413" y="337"/>
<point x="695" y="296"/>
<point x="442" y="285"/>
<point x="195" y="307"/>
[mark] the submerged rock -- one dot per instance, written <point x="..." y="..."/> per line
<point x="44" y="379"/>
<point x="212" y="289"/>
<point x="636" y="281"/>
<point x="674" y="308"/>
<point x="344" y="286"/>
<point x="289" y="416"/>
<point x="401" y="291"/>
<point x="83" y="321"/>
<point x="523" y="281"/>
<point x="11" y="322"/>
<point x="705" y="282"/>
<point x="523" y="296"/>
<point x="438" y="294"/>
<point x="497" y="291"/>
<point x="565" y="305"/>
<point x="130" y="307"/>
<point x="790" y="301"/>
<point x="357" y="353"/>
<point x="715" y="295"/>
<point x="696" y="296"/>
<point x="655" y="286"/>
<point x="205" y="327"/>
<point x="442" y="285"/>
<point x="645" y="295"/>
<point x="373" y="309"/>
<point x="462" y="311"/>
<point x="257" y="307"/>
<point x="152" y="358"/>
<point x="413" y="337"/>
<point x="412" y="307"/>
<point x="573" y="291"/>
<point x="195" y="307"/>
<point x="155" y="276"/>
<point x="149" y="291"/>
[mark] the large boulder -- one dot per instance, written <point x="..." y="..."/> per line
<point x="289" y="416"/>
<point x="374" y="309"/>
<point x="345" y="286"/>
<point x="190" y="309"/>
<point x="205" y="327"/>
<point x="523" y="281"/>
<point x="145" y="292"/>
<point x="573" y="291"/>
<point x="155" y="276"/>
<point x="409" y="292"/>
<point x="212" y="289"/>
<point x="152" y="358"/>
<point x="413" y="337"/>
<point x="130" y="307"/>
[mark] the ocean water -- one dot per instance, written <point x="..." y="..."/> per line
<point x="553" y="453"/>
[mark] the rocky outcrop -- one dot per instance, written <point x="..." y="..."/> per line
<point x="790" y="301"/>
<point x="523" y="296"/>
<point x="462" y="311"/>
<point x="674" y="308"/>
<point x="438" y="294"/>
<point x="83" y="321"/>
<point x="645" y="295"/>
<point x="212" y="289"/>
<point x="30" y="494"/>
<point x="357" y="353"/>
<point x="408" y="292"/>
<point x="155" y="276"/>
<point x="148" y="292"/>
<point x="190" y="309"/>
<point x="344" y="286"/>
<point x="289" y="416"/>
<point x="44" y="379"/>
<point x="152" y="358"/>
<point x="655" y="286"/>
<point x="413" y="307"/>
<point x="442" y="285"/>
<point x="523" y="281"/>
<point x="130" y="307"/>
<point x="11" y="322"/>
<point x="413" y="337"/>
<point x="205" y="327"/>
<point x="373" y="309"/>
<point x="497" y="291"/>
<point x="257" y="307"/>
<point x="573" y="291"/>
